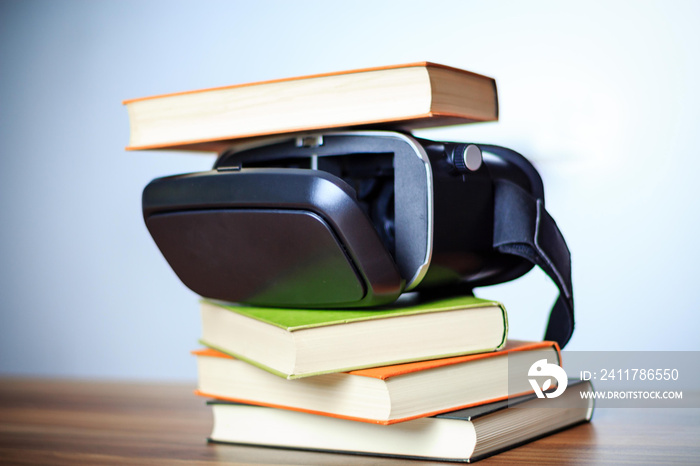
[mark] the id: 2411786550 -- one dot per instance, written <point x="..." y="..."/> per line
<point x="631" y="374"/>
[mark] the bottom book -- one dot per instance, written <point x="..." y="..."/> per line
<point x="466" y="435"/>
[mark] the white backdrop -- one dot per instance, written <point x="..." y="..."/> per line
<point x="602" y="96"/>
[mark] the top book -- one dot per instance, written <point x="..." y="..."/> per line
<point x="403" y="97"/>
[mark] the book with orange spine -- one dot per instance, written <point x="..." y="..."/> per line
<point x="382" y="395"/>
<point x="400" y="97"/>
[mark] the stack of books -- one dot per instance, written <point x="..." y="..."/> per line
<point x="428" y="380"/>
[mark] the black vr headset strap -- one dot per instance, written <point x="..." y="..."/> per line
<point x="522" y="227"/>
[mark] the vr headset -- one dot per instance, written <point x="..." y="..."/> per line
<point x="355" y="219"/>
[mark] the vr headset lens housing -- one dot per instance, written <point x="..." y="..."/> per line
<point x="337" y="220"/>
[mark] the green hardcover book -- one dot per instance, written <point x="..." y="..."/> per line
<point x="294" y="343"/>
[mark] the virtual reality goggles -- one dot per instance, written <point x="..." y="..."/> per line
<point x="355" y="219"/>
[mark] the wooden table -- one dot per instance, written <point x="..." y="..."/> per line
<point x="81" y="422"/>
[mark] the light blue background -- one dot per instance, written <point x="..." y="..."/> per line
<point x="602" y="96"/>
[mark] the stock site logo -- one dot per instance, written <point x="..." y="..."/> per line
<point x="543" y="369"/>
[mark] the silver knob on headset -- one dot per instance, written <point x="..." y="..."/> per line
<point x="467" y="157"/>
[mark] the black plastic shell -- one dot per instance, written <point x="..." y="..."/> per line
<point x="443" y="221"/>
<point x="296" y="190"/>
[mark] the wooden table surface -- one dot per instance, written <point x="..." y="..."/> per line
<point x="82" y="422"/>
